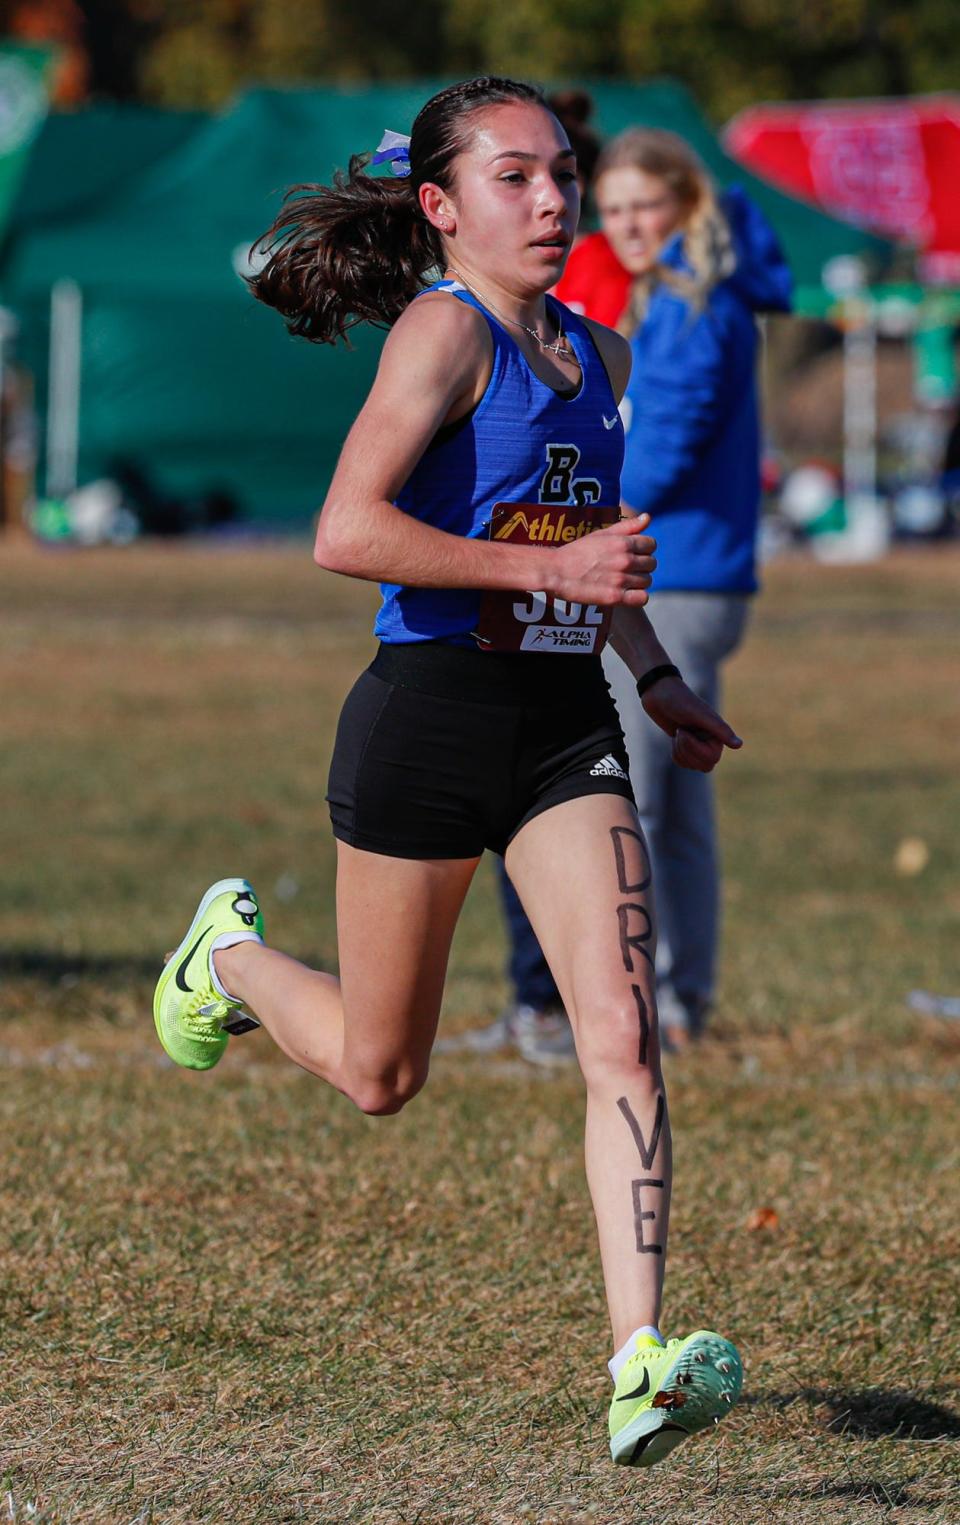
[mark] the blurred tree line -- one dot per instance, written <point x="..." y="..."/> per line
<point x="729" y="52"/>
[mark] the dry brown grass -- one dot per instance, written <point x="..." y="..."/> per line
<point x="231" y="1298"/>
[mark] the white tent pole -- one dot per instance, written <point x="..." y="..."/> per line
<point x="860" y="402"/>
<point x="63" y="394"/>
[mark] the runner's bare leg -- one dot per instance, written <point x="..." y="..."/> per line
<point x="370" y="1032"/>
<point x="582" y="872"/>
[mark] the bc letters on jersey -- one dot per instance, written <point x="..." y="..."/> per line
<point x="560" y="482"/>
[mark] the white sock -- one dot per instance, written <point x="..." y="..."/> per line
<point x="228" y="940"/>
<point x="617" y="1363"/>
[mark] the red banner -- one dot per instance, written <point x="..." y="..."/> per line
<point x="892" y="166"/>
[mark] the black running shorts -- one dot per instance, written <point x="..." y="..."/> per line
<point x="442" y="750"/>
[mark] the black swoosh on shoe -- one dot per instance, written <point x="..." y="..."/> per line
<point x="638" y="1392"/>
<point x="181" y="972"/>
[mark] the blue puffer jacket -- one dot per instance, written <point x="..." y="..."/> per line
<point x="693" y="432"/>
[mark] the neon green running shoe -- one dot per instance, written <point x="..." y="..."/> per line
<point x="194" y="1021"/>
<point x="666" y="1392"/>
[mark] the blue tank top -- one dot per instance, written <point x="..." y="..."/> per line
<point x="523" y="443"/>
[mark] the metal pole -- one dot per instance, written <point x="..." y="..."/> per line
<point x="63" y="395"/>
<point x="4" y="506"/>
<point x="859" y="402"/>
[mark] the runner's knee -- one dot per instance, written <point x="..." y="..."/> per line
<point x="619" y="1034"/>
<point x="387" y="1093"/>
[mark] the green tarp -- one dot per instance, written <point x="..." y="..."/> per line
<point x="152" y="214"/>
<point x="82" y="160"/>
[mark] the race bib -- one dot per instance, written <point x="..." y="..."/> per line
<point x="539" y="621"/>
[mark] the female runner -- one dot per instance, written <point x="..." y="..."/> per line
<point x="484" y="720"/>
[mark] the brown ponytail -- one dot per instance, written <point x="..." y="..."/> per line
<point x="356" y="251"/>
<point x="359" y="250"/>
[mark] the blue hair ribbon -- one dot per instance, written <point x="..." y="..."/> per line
<point x="394" y="149"/>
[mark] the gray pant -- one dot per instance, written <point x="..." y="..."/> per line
<point x="675" y="805"/>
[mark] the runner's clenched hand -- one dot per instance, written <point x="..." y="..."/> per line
<point x="610" y="566"/>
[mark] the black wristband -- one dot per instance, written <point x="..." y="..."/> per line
<point x="665" y="670"/>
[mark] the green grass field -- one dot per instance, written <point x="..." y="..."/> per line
<point x="231" y="1298"/>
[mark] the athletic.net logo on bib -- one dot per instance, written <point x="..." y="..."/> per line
<point x="568" y="509"/>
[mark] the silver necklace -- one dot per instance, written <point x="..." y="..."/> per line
<point x="560" y="346"/>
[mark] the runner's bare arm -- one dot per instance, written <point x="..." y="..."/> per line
<point x="699" y="733"/>
<point x="634" y="640"/>
<point x="434" y="368"/>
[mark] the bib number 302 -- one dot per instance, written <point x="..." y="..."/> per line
<point x="536" y="620"/>
<point x="537" y="607"/>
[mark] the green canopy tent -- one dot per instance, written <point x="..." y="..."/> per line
<point x="150" y="216"/>
<point x="181" y="372"/>
<point x="82" y="158"/>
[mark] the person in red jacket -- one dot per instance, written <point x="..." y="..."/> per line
<point x="594" y="282"/>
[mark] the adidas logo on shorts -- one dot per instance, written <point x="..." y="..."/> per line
<point x="607" y="767"/>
